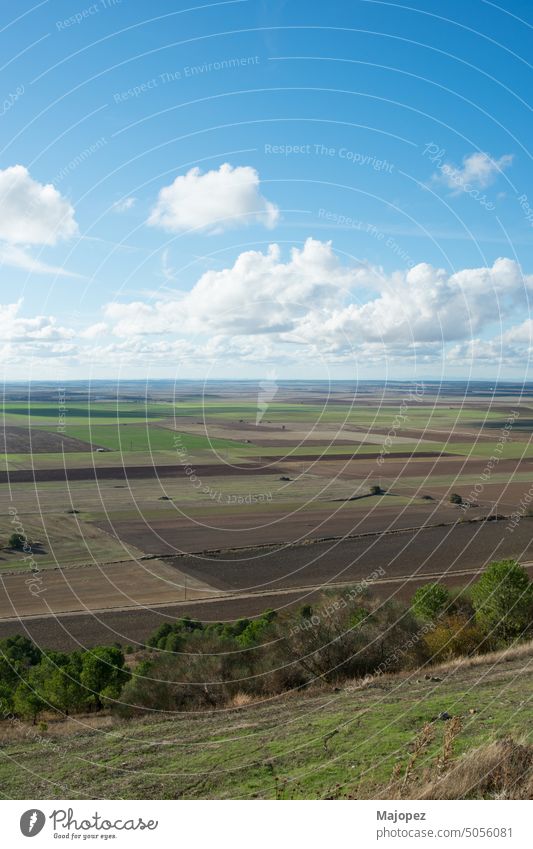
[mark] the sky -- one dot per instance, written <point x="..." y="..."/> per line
<point x="266" y="187"/>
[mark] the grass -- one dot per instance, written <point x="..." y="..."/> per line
<point x="57" y="540"/>
<point x="126" y="438"/>
<point x="312" y="745"/>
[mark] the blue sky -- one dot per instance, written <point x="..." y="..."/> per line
<point x="242" y="188"/>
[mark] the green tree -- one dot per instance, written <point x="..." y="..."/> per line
<point x="17" y="655"/>
<point x="63" y="689"/>
<point x="29" y="699"/>
<point x="503" y="600"/>
<point x="455" y="498"/>
<point x="103" y="674"/>
<point x="430" y="601"/>
<point x="16" y="541"/>
<point x="6" y="699"/>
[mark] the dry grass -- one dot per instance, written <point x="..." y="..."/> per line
<point x="53" y="727"/>
<point x="521" y="651"/>
<point x="500" y="770"/>
<point x="242" y="700"/>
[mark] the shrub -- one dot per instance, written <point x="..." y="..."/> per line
<point x="503" y="600"/>
<point x="461" y="602"/>
<point x="181" y="628"/>
<point x="430" y="601"/>
<point x="455" y="498"/>
<point x="454" y="636"/>
<point x="209" y="678"/>
<point x="16" y="541"/>
<point x="376" y="490"/>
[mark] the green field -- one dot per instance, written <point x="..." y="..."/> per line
<point x="151" y="427"/>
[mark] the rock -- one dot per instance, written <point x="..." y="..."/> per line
<point x="444" y="715"/>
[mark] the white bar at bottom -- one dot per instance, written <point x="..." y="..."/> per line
<point x="269" y="824"/>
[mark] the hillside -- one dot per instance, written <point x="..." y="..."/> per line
<point x="313" y="745"/>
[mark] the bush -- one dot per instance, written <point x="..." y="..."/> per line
<point x="208" y="678"/>
<point x="461" y="602"/>
<point x="16" y="541"/>
<point x="503" y="600"/>
<point x="376" y="490"/>
<point x="455" y="498"/>
<point x="454" y="636"/>
<point x="430" y="601"/>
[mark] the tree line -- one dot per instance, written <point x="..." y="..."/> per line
<point x="190" y="665"/>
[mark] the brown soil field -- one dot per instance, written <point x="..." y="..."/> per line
<point x="179" y="533"/>
<point x="453" y="466"/>
<point x="504" y="497"/>
<point x="22" y="440"/>
<point x="74" y="631"/>
<point x="125" y="473"/>
<point x="432" y="550"/>
<point x="274" y="576"/>
<point x="434" y="435"/>
<point x="359" y="457"/>
<point x="113" y="585"/>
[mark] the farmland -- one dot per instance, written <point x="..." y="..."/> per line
<point x="137" y="498"/>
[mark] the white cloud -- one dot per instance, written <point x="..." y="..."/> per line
<point x="314" y="308"/>
<point x="15" y="328"/>
<point x="314" y="299"/>
<point x="94" y="330"/>
<point x="16" y="257"/>
<point x="31" y="212"/>
<point x="478" y="171"/>
<point x="425" y="305"/>
<point x="258" y="294"/>
<point x="213" y="202"/>
<point x="168" y="272"/>
<point x="124" y="204"/>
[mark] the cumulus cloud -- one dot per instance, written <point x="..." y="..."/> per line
<point x="425" y="305"/>
<point x="15" y="327"/>
<point x="31" y="212"/>
<point x="213" y="202"/>
<point x="314" y="299"/>
<point x="478" y="170"/>
<point x="94" y="330"/>
<point x="258" y="294"/>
